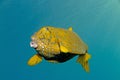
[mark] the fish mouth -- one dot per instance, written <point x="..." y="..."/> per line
<point x="33" y="44"/>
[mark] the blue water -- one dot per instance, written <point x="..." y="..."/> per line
<point x="96" y="21"/>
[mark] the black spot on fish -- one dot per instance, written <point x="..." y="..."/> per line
<point x="62" y="57"/>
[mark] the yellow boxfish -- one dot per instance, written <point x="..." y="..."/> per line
<point x="58" y="45"/>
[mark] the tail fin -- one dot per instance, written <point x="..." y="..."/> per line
<point x="83" y="60"/>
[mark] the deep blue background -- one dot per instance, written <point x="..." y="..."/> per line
<point x="96" y="21"/>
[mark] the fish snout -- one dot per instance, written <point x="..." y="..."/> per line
<point x="33" y="44"/>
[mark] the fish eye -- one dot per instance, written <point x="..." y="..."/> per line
<point x="33" y="44"/>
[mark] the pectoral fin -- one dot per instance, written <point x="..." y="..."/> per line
<point x="63" y="49"/>
<point x="83" y="60"/>
<point x="34" y="60"/>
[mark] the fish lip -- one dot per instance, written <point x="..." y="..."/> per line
<point x="33" y="44"/>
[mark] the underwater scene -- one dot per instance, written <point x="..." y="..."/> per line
<point x="96" y="22"/>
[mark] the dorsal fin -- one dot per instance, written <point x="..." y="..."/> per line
<point x="70" y="29"/>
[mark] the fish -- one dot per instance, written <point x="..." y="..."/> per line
<point x="58" y="45"/>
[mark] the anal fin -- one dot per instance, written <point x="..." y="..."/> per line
<point x="35" y="59"/>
